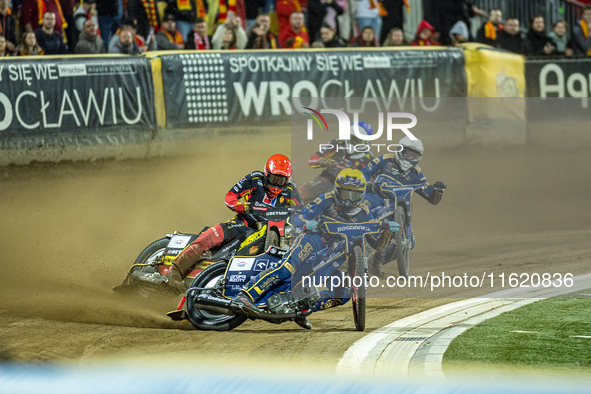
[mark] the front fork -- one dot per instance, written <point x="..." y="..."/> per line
<point x="410" y="236"/>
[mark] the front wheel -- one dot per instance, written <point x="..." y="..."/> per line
<point x="403" y="243"/>
<point x="358" y="287"/>
<point x="209" y="321"/>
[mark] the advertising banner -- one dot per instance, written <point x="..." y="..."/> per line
<point x="251" y="87"/>
<point x="558" y="107"/>
<point x="558" y="78"/>
<point x="493" y="72"/>
<point x="496" y="86"/>
<point x="80" y="97"/>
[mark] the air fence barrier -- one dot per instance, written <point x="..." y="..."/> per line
<point x="54" y="108"/>
<point x="92" y="107"/>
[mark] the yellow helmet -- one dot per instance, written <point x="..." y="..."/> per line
<point x="349" y="188"/>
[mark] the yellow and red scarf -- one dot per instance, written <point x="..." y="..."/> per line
<point x="225" y="8"/>
<point x="177" y="39"/>
<point x="41" y="8"/>
<point x="298" y="42"/>
<point x="185" y="5"/>
<point x="150" y="7"/>
<point x="585" y="30"/>
<point x="272" y="40"/>
<point x="3" y="24"/>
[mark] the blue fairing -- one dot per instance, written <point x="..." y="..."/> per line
<point x="242" y="269"/>
<point x="322" y="263"/>
<point x="319" y="266"/>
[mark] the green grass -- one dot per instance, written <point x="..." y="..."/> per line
<point x="492" y="344"/>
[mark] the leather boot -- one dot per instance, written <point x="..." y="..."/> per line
<point x="207" y="240"/>
<point x="180" y="266"/>
<point x="376" y="265"/>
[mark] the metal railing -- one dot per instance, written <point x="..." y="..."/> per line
<point x="524" y="10"/>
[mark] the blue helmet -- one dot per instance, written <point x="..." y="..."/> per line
<point x="364" y="129"/>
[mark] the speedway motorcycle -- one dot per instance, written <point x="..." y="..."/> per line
<point x="397" y="207"/>
<point x="207" y="301"/>
<point x="147" y="275"/>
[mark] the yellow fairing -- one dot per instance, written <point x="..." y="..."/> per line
<point x="254" y="236"/>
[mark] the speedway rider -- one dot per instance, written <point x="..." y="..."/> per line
<point x="402" y="166"/>
<point x="344" y="204"/>
<point x="272" y="187"/>
<point x="342" y="155"/>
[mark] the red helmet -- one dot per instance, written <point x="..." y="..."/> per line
<point x="277" y="174"/>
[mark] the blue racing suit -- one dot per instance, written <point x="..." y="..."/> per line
<point x="304" y="251"/>
<point x="387" y="165"/>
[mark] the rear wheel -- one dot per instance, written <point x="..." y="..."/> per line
<point x="151" y="254"/>
<point x="403" y="243"/>
<point x="360" y="291"/>
<point x="204" y="320"/>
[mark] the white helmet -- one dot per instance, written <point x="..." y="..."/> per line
<point x="409" y="154"/>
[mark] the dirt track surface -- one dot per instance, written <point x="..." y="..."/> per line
<point x="70" y="231"/>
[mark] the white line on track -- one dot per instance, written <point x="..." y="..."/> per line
<point x="415" y="345"/>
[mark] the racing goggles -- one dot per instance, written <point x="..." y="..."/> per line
<point x="410" y="154"/>
<point x="277" y="180"/>
<point x="350" y="195"/>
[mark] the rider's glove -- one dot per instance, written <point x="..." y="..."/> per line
<point x="372" y="188"/>
<point x="311" y="225"/>
<point x="392" y="226"/>
<point x="324" y="162"/>
<point x="439" y="186"/>
<point x="240" y="208"/>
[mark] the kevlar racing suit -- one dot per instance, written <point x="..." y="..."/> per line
<point x="334" y="160"/>
<point x="304" y="251"/>
<point x="252" y="190"/>
<point x="387" y="165"/>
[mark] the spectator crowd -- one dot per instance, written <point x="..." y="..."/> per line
<point x="48" y="27"/>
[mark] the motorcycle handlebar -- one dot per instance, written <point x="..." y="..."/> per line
<point x="258" y="216"/>
<point x="382" y="193"/>
<point x="290" y="208"/>
<point x="382" y="226"/>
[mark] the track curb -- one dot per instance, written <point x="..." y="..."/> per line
<point x="414" y="346"/>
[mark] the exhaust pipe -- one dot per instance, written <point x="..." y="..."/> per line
<point x="211" y="303"/>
